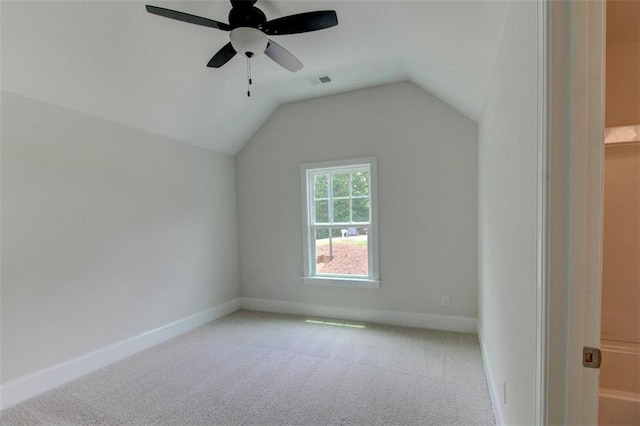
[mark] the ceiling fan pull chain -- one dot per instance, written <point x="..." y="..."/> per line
<point x="249" y="81"/>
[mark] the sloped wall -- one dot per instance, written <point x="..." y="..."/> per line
<point x="427" y="171"/>
<point x="107" y="232"/>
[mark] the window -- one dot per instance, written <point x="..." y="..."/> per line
<point x="340" y="223"/>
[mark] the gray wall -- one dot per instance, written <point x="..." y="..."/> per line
<point x="107" y="232"/>
<point x="507" y="217"/>
<point x="427" y="171"/>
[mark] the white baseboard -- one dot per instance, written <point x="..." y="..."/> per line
<point x="41" y="381"/>
<point x="496" y="402"/>
<point x="409" y="319"/>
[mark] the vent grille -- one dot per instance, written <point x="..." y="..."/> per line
<point x="321" y="79"/>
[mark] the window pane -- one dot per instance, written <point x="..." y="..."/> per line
<point x="322" y="211"/>
<point x="322" y="233"/>
<point x="360" y="209"/>
<point x="321" y="185"/>
<point x="341" y="210"/>
<point x="341" y="185"/>
<point x="347" y="254"/>
<point x="359" y="183"/>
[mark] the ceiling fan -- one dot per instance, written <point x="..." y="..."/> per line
<point x="249" y="30"/>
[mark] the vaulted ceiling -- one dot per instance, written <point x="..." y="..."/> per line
<point x="113" y="60"/>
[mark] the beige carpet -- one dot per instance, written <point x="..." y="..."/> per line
<point x="253" y="368"/>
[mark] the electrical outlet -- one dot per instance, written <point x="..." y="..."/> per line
<point x="445" y="301"/>
<point x="245" y="288"/>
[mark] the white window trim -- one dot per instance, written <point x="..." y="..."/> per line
<point x="371" y="281"/>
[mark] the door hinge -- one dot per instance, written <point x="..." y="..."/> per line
<point x="591" y="357"/>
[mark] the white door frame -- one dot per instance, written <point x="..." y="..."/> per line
<point x="585" y="276"/>
<point x="542" y="203"/>
<point x="577" y="98"/>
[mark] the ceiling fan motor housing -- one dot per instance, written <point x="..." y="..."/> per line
<point x="248" y="41"/>
<point x="245" y="15"/>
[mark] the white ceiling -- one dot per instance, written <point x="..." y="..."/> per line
<point x="113" y="60"/>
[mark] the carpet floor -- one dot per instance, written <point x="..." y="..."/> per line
<point x="254" y="368"/>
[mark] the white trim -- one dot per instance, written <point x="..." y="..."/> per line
<point x="620" y="395"/>
<point x="496" y="404"/>
<point x="542" y="219"/>
<point x="622" y="134"/>
<point x="407" y="319"/>
<point x="586" y="198"/>
<point x="41" y="381"/>
<point x="338" y="164"/>
<point x="341" y="282"/>
<point x="308" y="266"/>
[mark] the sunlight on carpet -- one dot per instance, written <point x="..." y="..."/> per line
<point x="337" y="324"/>
<point x="254" y="368"/>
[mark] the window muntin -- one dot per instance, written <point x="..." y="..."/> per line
<point x="339" y="219"/>
<point x="341" y="198"/>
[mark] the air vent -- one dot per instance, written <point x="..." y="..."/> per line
<point x="322" y="79"/>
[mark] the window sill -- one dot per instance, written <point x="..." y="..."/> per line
<point x="342" y="282"/>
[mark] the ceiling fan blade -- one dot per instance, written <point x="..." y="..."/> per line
<point x="282" y="57"/>
<point x="186" y="17"/>
<point x="301" y="23"/>
<point x="222" y="57"/>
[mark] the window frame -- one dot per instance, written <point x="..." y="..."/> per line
<point x="307" y="171"/>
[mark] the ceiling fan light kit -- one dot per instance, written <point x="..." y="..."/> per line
<point x="248" y="41"/>
<point x="249" y="30"/>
